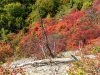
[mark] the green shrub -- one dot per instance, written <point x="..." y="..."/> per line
<point x="62" y="10"/>
<point x="12" y="19"/>
<point x="87" y="4"/>
<point x="4" y="37"/>
<point x="96" y="49"/>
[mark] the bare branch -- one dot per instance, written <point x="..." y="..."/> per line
<point x="42" y="50"/>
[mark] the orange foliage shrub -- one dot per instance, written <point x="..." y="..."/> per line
<point x="5" y="51"/>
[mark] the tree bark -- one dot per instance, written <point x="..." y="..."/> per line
<point x="46" y="37"/>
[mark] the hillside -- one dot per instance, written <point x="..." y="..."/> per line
<point x="44" y="29"/>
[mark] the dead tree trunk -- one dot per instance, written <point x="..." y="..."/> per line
<point x="46" y="37"/>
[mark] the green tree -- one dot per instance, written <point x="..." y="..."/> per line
<point x="12" y="17"/>
<point x="15" y="9"/>
<point x="46" y="7"/>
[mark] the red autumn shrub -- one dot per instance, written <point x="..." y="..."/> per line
<point x="87" y="29"/>
<point x="96" y="5"/>
<point x="64" y="34"/>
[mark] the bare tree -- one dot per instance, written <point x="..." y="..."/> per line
<point x="45" y="36"/>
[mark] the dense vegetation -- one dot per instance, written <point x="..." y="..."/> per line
<point x="69" y="25"/>
<point x="16" y="15"/>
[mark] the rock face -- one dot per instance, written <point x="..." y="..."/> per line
<point x="56" y="69"/>
<point x="39" y="69"/>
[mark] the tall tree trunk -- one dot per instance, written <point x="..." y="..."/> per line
<point x="45" y="36"/>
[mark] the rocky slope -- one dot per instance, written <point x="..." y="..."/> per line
<point x="56" y="66"/>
